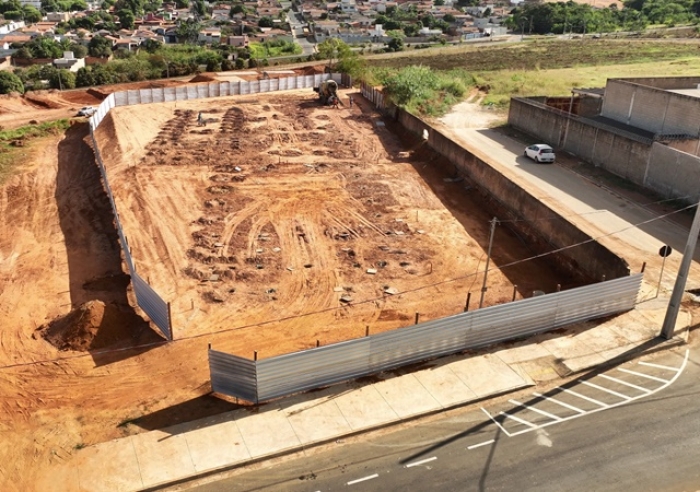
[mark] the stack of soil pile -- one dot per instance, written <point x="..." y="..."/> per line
<point x="93" y="325"/>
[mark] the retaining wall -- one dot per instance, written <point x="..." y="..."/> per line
<point x="670" y="172"/>
<point x="589" y="259"/>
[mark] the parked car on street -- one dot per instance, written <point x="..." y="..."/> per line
<point x="540" y="153"/>
<point x="87" y="111"/>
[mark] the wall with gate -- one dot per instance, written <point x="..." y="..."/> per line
<point x="633" y="157"/>
<point x="146" y="297"/>
<point x="283" y="375"/>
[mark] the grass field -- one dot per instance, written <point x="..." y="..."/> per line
<point x="552" y="67"/>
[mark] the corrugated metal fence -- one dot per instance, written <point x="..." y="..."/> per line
<point x="146" y="297"/>
<point x="291" y="373"/>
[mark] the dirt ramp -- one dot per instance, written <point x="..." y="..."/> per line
<point x="92" y="326"/>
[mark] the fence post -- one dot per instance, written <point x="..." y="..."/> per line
<point x="170" y="323"/>
<point x="644" y="266"/>
<point x="558" y="287"/>
<point x="367" y="330"/>
<point x="515" y="291"/>
<point x="255" y="355"/>
<point x="417" y="317"/>
<point x="466" y="304"/>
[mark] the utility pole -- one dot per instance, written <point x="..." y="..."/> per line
<point x="494" y="221"/>
<point x="675" y="303"/>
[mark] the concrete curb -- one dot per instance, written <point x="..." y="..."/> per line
<point x="304" y="447"/>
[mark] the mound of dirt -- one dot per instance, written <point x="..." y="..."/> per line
<point x="204" y="77"/>
<point x="48" y="99"/>
<point x="93" y="325"/>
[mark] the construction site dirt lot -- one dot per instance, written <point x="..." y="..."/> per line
<point x="293" y="223"/>
<point x="259" y="228"/>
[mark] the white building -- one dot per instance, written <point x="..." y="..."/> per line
<point x="69" y="62"/>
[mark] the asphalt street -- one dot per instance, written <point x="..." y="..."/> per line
<point x="633" y="427"/>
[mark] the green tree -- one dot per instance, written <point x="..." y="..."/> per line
<point x="31" y="14"/>
<point x="50" y="6"/>
<point x="265" y="21"/>
<point x="226" y="65"/>
<point x="188" y="31"/>
<point x="450" y="18"/>
<point x="23" y="53"/>
<point x="13" y="15"/>
<point x="62" y="79"/>
<point x="100" y="46"/>
<point x="396" y="43"/>
<point x="78" y="50"/>
<point x="9" y="82"/>
<point x="84" y="77"/>
<point x="151" y="45"/>
<point x="77" y="6"/>
<point x="341" y="57"/>
<point x="240" y="63"/>
<point x="45" y="47"/>
<point x="126" y="18"/>
<point x="411" y="83"/>
<point x="236" y="8"/>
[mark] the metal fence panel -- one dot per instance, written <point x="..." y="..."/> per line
<point x="201" y="91"/>
<point x="146" y="96"/>
<point x="158" y="95"/>
<point x="254" y="87"/>
<point x="225" y="88"/>
<point x="169" y="94"/>
<point x="192" y="92"/>
<point x="132" y="97"/>
<point x="232" y="375"/>
<point x="283" y="83"/>
<point x="275" y="85"/>
<point x="244" y="87"/>
<point x="121" y="98"/>
<point x="265" y="85"/>
<point x="300" y="371"/>
<point x="152" y="304"/>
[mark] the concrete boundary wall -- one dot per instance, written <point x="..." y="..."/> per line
<point x="155" y="307"/>
<point x="669" y="172"/>
<point x="589" y="258"/>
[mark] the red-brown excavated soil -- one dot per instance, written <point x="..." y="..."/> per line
<point x="260" y="228"/>
<point x="290" y="222"/>
<point x="93" y="325"/>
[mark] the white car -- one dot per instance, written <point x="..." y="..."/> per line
<point x="87" y="111"/>
<point x="540" y="153"/>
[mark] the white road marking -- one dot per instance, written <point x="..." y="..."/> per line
<point x="620" y="381"/>
<point x="421" y="462"/>
<point x="658" y="366"/>
<point x="641" y="374"/>
<point x="566" y="405"/>
<point x="581" y="413"/>
<point x="503" y="429"/>
<point x="543" y="438"/>
<point x="601" y="388"/>
<point x="485" y="443"/>
<point x="535" y="409"/>
<point x="583" y="397"/>
<point x="522" y="421"/>
<point x="369" y="477"/>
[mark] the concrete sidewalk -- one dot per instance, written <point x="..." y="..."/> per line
<point x="293" y="424"/>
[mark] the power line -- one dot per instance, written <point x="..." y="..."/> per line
<point x="366" y="301"/>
